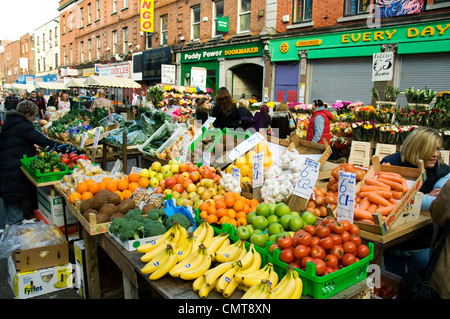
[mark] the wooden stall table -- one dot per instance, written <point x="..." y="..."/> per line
<point x="397" y="233"/>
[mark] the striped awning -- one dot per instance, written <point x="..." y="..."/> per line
<point x="51" y="85"/>
<point x="111" y="82"/>
<point x="20" y="86"/>
<point x="75" y="83"/>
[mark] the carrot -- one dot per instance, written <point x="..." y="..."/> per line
<point x="384" y="194"/>
<point x="386" y="210"/>
<point x="373" y="182"/>
<point x="405" y="186"/>
<point x="377" y="199"/>
<point x="392" y="200"/>
<point x="368" y="188"/>
<point x="362" y="214"/>
<point x="390" y="174"/>
<point x="394" y="185"/>
<point x="365" y="203"/>
<point x="391" y="178"/>
<point x="372" y="208"/>
<point x="397" y="195"/>
<point x="367" y="221"/>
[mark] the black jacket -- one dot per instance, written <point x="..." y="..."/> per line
<point x="222" y="121"/>
<point x="280" y="124"/>
<point x="11" y="102"/>
<point x="245" y="118"/>
<point x="17" y="138"/>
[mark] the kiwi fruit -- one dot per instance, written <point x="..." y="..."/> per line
<point x="116" y="215"/>
<point x="114" y="198"/>
<point x="85" y="205"/>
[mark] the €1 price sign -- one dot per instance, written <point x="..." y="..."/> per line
<point x="307" y="180"/>
<point x="346" y="196"/>
<point x="236" y="173"/>
<point x="258" y="169"/>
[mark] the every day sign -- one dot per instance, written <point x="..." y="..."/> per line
<point x="147" y="9"/>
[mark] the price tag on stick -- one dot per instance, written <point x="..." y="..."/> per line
<point x="207" y="159"/>
<point x="83" y="140"/>
<point x="184" y="148"/>
<point x="346" y="196"/>
<point x="258" y="170"/>
<point x="308" y="178"/>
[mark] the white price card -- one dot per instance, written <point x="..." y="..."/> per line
<point x="207" y="159"/>
<point x="83" y="140"/>
<point x="135" y="169"/>
<point x="236" y="173"/>
<point x="258" y="169"/>
<point x="209" y="121"/>
<point x="243" y="147"/>
<point x="346" y="196"/>
<point x="96" y="137"/>
<point x="307" y="180"/>
<point x="184" y="148"/>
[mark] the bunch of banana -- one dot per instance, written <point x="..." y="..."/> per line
<point x="247" y="280"/>
<point x="193" y="266"/>
<point x="161" y="264"/>
<point x="204" y="231"/>
<point x="63" y="283"/>
<point x="179" y="236"/>
<point x="156" y="249"/>
<point x="262" y="290"/>
<point x="187" y="247"/>
<point x="216" y="243"/>
<point x="248" y="267"/>
<point x="290" y="287"/>
<point x="232" y="252"/>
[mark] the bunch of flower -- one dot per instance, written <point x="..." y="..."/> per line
<point x="387" y="133"/>
<point x="270" y="104"/>
<point x="364" y="113"/>
<point x="339" y="142"/>
<point x="300" y="107"/>
<point x="345" y="117"/>
<point x="404" y="130"/>
<point x="384" y="114"/>
<point x="363" y="130"/>
<point x="341" y="129"/>
<point x="341" y="106"/>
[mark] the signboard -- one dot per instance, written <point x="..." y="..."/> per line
<point x="152" y="61"/>
<point x="232" y="51"/>
<point x="382" y="66"/>
<point x="198" y="77"/>
<point x="222" y="24"/>
<point x="147" y="9"/>
<point x="120" y="70"/>
<point x="346" y="196"/>
<point x="394" y="8"/>
<point x="168" y="73"/>
<point x="308" y="177"/>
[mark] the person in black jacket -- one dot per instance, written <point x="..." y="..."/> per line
<point x="245" y="116"/>
<point x="280" y="120"/>
<point x="18" y="138"/>
<point x="11" y="102"/>
<point x="225" y="110"/>
<point x="202" y="107"/>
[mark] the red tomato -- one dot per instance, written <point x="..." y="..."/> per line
<point x="349" y="247"/>
<point x="348" y="259"/>
<point x="287" y="255"/>
<point x="354" y="229"/>
<point x="346" y="224"/>
<point x="338" y="251"/>
<point x="295" y="264"/>
<point x="304" y="239"/>
<point x="284" y="241"/>
<point x="337" y="239"/>
<point x="328" y="219"/>
<point x="322" y="231"/>
<point x="363" y="251"/>
<point x="299" y="232"/>
<point x="314" y="241"/>
<point x="331" y="261"/>
<point x="317" y="252"/>
<point x="301" y="251"/>
<point x="338" y="228"/>
<point x="345" y="236"/>
<point x="320" y="266"/>
<point x="356" y="239"/>
<point x="326" y="243"/>
<point x="272" y="247"/>
<point x="311" y="229"/>
<point x="329" y="270"/>
<point x="305" y="260"/>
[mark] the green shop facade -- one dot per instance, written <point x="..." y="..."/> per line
<point x="239" y="68"/>
<point x="338" y="66"/>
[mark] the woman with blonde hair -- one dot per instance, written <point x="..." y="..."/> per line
<point x="280" y="120"/>
<point x="424" y="144"/>
<point x="246" y="117"/>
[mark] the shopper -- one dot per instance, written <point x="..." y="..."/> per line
<point x="64" y="103"/>
<point x="245" y="116"/>
<point x="53" y="100"/>
<point x="34" y="98"/>
<point x="225" y="110"/>
<point x="262" y="119"/>
<point x="11" y="102"/>
<point x="319" y="123"/>
<point x="18" y="138"/>
<point x="422" y="143"/>
<point x="42" y="99"/>
<point x="202" y="108"/>
<point x="102" y="102"/>
<point x="440" y="214"/>
<point x="280" y="120"/>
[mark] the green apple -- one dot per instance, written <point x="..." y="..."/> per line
<point x="154" y="182"/>
<point x="293" y="214"/>
<point x="296" y="223"/>
<point x="273" y="238"/>
<point x="144" y="173"/>
<point x="260" y="222"/>
<point x="259" y="239"/>
<point x="173" y="161"/>
<point x="250" y="228"/>
<point x="250" y="217"/>
<point x="282" y="209"/>
<point x="243" y="232"/>
<point x="275" y="228"/>
<point x="284" y="221"/>
<point x="263" y="209"/>
<point x="272" y="208"/>
<point x="309" y="218"/>
<point x="272" y="219"/>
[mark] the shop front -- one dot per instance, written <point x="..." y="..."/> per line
<point x="338" y="66"/>
<point x="239" y="68"/>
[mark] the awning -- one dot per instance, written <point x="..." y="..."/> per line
<point x="111" y="82"/>
<point x="20" y="86"/>
<point x="75" y="83"/>
<point x="51" y="85"/>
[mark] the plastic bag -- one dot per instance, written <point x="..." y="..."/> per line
<point x="148" y="125"/>
<point x="27" y="236"/>
<point x="115" y="118"/>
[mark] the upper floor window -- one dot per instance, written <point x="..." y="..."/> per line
<point x="164" y="20"/>
<point x="70" y="21"/>
<point x="125" y="40"/>
<point x="81" y="51"/>
<point x="125" y="4"/>
<point x="354" y="7"/>
<point x="89" y="50"/>
<point x="218" y="12"/>
<point x="97" y="15"/>
<point x="81" y="17"/>
<point x="98" y="47"/>
<point x="440" y="1"/>
<point x="302" y="11"/>
<point x="195" y="20"/>
<point x="89" y="13"/>
<point x="63" y="24"/>
<point x="114" y="6"/>
<point x="244" y="15"/>
<point x="114" y="42"/>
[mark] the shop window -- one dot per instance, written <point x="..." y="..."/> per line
<point x="164" y="20"/>
<point x="354" y="7"/>
<point x="195" y="26"/>
<point x="302" y="11"/>
<point x="244" y="15"/>
<point x="218" y="12"/>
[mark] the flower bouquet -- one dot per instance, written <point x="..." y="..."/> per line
<point x="384" y="115"/>
<point x="404" y="130"/>
<point x="300" y="107"/>
<point x="387" y="133"/>
<point x="339" y="142"/>
<point x="363" y="130"/>
<point x="364" y="113"/>
<point x="341" y="107"/>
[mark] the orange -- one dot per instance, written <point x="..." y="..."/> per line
<point x="126" y="193"/>
<point x="232" y="222"/>
<point x="254" y="202"/>
<point x="247" y="208"/>
<point x="107" y="179"/>
<point x="111" y="186"/>
<point x="243" y="199"/>
<point x="232" y="214"/>
<point x="241" y="221"/>
<point x="222" y="212"/>
<point x="94" y="188"/>
<point x="212" y="219"/>
<point x="224" y="220"/>
<point x="122" y="184"/>
<point x="133" y="186"/>
<point x="89" y="181"/>
<point x="239" y="206"/>
<point x="204" y="214"/>
<point x="120" y="194"/>
<point x="82" y="187"/>
<point x="236" y="195"/>
<point x="133" y="177"/>
<point x="220" y="204"/>
<point x="102" y="185"/>
<point x="86" y="195"/>
<point x="229" y="201"/>
<point x="241" y="214"/>
<point x="211" y="210"/>
<point x="231" y="211"/>
<point x="74" y="196"/>
<point x="144" y="182"/>
<point x="204" y="206"/>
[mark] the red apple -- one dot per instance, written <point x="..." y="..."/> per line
<point x="184" y="167"/>
<point x="207" y="173"/>
<point x="170" y="182"/>
<point x="194" y="176"/>
<point x="178" y="188"/>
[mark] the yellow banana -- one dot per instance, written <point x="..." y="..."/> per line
<point x="186" y="248"/>
<point x="265" y="290"/>
<point x="232" y="255"/>
<point x="199" y="271"/>
<point x="200" y="232"/>
<point x="153" y="244"/>
<point x="256" y="277"/>
<point x="156" y="262"/>
<point x="218" y="271"/>
<point x="273" y="278"/>
<point x="151" y="254"/>
<point x="230" y="288"/>
<point x="180" y="266"/>
<point x="247" y="260"/>
<point x="298" y="287"/>
<point x="209" y="232"/>
<point x="246" y="272"/>
<point x="193" y="264"/>
<point x="254" y="290"/>
<point x="197" y="284"/>
<point x="206" y="289"/>
<point x="225" y="244"/>
<point x="165" y="268"/>
<point x="285" y="287"/>
<point x="226" y="277"/>
<point x="183" y="234"/>
<point x="216" y="243"/>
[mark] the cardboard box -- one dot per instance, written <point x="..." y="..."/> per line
<point x="411" y="210"/>
<point x="41" y="257"/>
<point x="30" y="284"/>
<point x="50" y="205"/>
<point x="80" y="285"/>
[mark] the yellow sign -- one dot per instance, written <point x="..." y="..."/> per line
<point x="284" y="47"/>
<point x="147" y="10"/>
<point x="307" y="43"/>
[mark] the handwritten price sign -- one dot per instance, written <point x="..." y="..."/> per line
<point x="308" y="178"/>
<point x="346" y="196"/>
<point x="258" y="170"/>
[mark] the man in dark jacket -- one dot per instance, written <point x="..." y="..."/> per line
<point x="18" y="138"/>
<point x="11" y="102"/>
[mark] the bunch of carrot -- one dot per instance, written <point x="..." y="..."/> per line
<point x="379" y="193"/>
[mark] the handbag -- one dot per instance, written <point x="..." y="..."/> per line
<point x="292" y="124"/>
<point x="415" y="284"/>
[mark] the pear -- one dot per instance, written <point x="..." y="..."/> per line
<point x="180" y="201"/>
<point x="206" y="194"/>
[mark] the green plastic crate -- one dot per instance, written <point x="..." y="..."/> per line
<point x="42" y="177"/>
<point x="323" y="287"/>
<point x="238" y="134"/>
<point x="216" y="133"/>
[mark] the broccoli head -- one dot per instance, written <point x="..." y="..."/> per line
<point x="131" y="229"/>
<point x="153" y="227"/>
<point x="156" y="214"/>
<point x="180" y="218"/>
<point x="116" y="224"/>
<point x="134" y="214"/>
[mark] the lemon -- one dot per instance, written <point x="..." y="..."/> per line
<point x="240" y="161"/>
<point x="144" y="173"/>
<point x="228" y="170"/>
<point x="245" y="170"/>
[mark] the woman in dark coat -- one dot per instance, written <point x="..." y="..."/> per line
<point x="245" y="116"/>
<point x="225" y="110"/>
<point x="18" y="138"/>
<point x="280" y="120"/>
<point x="202" y="108"/>
<point x="262" y="119"/>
